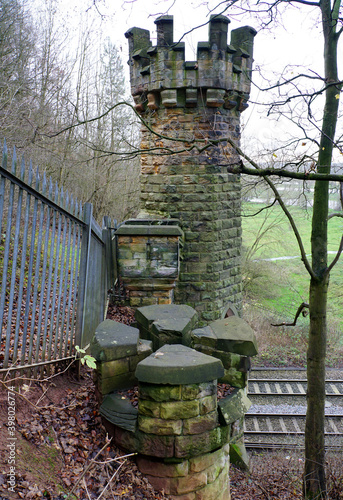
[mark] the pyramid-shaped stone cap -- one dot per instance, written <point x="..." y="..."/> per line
<point x="178" y="365"/>
<point x="169" y="312"/>
<point x="113" y="340"/>
<point x="231" y="334"/>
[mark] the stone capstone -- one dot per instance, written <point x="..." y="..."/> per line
<point x="119" y="411"/>
<point x="166" y="324"/>
<point x="233" y="407"/>
<point x="117" y="350"/>
<point x="146" y="316"/>
<point x="239" y="456"/>
<point x="231" y="334"/>
<point x="178" y="364"/>
<point x="113" y="340"/>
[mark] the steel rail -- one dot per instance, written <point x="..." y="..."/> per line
<point x="281" y="415"/>
<point x="289" y="381"/>
<point x="286" y="433"/>
<point x="285" y="446"/>
<point x="283" y="394"/>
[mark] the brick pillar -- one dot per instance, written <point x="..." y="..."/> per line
<point x="196" y="102"/>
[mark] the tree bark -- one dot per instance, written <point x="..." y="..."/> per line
<point x="314" y="474"/>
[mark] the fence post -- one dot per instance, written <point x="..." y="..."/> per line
<point x="83" y="278"/>
<point x="109" y="251"/>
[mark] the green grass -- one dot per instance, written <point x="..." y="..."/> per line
<point x="275" y="289"/>
<point x="280" y="240"/>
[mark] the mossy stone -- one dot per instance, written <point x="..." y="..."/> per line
<point x="178" y="364"/>
<point x="234" y="335"/>
<point x="233" y="407"/>
<point x="113" y="340"/>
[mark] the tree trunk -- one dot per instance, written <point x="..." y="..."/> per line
<point x="314" y="474"/>
<point x="314" y="477"/>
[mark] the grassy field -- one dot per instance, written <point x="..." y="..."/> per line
<point x="274" y="289"/>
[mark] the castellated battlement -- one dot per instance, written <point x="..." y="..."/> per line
<point x="219" y="78"/>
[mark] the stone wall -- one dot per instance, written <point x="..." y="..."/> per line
<point x="191" y="107"/>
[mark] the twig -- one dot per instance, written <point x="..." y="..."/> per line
<point x="265" y="492"/>
<point x="88" y="467"/>
<point x="42" y="396"/>
<point x="84" y="482"/>
<point x="115" y="459"/>
<point x="112" y="477"/>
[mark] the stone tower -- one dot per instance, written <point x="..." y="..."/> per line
<point x="189" y="108"/>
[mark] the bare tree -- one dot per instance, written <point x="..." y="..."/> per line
<point x="315" y="166"/>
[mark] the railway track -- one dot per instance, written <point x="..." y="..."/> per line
<point x="276" y="418"/>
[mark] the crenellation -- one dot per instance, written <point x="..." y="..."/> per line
<point x="164" y="26"/>
<point x="218" y="29"/>
<point x="219" y="66"/>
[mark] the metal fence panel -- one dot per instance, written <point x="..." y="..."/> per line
<point x="93" y="280"/>
<point x="52" y="270"/>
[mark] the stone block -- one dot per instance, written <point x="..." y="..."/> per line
<point x="153" y="445"/>
<point x="110" y="384"/>
<point x="214" y="471"/>
<point x="197" y="391"/>
<point x="193" y="445"/>
<point x="239" y="456"/>
<point x="149" y="408"/>
<point x="207" y="460"/>
<point x="124" y="439"/>
<point x="156" y="392"/>
<point x="233" y="407"/>
<point x="113" y="368"/>
<point x="234" y="378"/>
<point x="229" y="359"/>
<point x="159" y="426"/>
<point x="208" y="404"/>
<point x="216" y="489"/>
<point x="157" y="468"/>
<point x="113" y="340"/>
<point x="179" y="409"/>
<point x="203" y="423"/>
<point x="237" y="430"/>
<point x="192" y="482"/>
<point x="187" y="496"/>
<point x="169" y="98"/>
<point x="160" y="483"/>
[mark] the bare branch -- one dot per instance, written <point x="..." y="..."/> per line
<point x="300" y="310"/>
<point x="335" y="260"/>
<point x="261" y="209"/>
<point x="336" y="214"/>
<point x="279" y="172"/>
<point x="304" y="2"/>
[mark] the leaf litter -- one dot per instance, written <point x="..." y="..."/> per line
<point x="90" y="467"/>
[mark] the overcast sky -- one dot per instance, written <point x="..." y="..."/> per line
<point x="297" y="43"/>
